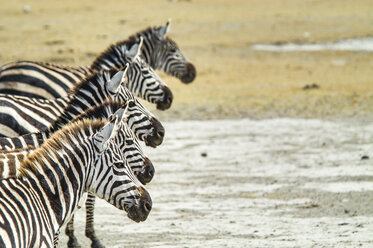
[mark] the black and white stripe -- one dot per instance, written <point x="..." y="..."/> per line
<point x="22" y="115"/>
<point x="125" y="139"/>
<point x="44" y="80"/>
<point x="162" y="53"/>
<point x="79" y="158"/>
<point x="127" y="143"/>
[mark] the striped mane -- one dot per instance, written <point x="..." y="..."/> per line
<point x="66" y="137"/>
<point x="94" y="77"/>
<point x="149" y="32"/>
<point x="112" y="49"/>
<point x="103" y="111"/>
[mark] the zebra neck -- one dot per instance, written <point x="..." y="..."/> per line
<point x="33" y="139"/>
<point x="113" y="57"/>
<point x="24" y="141"/>
<point x="150" y="49"/>
<point x="79" y="102"/>
<point x="58" y="185"/>
<point x="101" y="111"/>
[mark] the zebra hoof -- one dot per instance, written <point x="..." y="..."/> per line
<point x="73" y="243"/>
<point x="97" y="244"/>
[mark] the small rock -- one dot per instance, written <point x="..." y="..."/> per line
<point x="122" y="21"/>
<point x="311" y="86"/>
<point x="26" y="9"/>
<point x="364" y="157"/>
<point x="204" y="154"/>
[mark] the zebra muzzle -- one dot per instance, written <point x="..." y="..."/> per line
<point x="190" y="74"/>
<point x="156" y="137"/>
<point x="147" y="175"/>
<point x="141" y="211"/>
<point x="167" y="99"/>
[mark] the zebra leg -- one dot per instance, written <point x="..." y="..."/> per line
<point x="72" y="242"/>
<point x="89" y="224"/>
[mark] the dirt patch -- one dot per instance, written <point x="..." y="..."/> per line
<point x="244" y="183"/>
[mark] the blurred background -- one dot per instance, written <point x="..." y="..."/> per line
<point x="234" y="80"/>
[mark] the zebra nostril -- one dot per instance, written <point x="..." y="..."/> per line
<point x="190" y="74"/>
<point x="151" y="172"/>
<point x="147" y="206"/>
<point x="167" y="99"/>
<point x="160" y="133"/>
<point x="168" y="95"/>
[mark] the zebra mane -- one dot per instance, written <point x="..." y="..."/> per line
<point x="96" y="78"/>
<point x="66" y="137"/>
<point x="117" y="48"/>
<point x="149" y="32"/>
<point x="101" y="111"/>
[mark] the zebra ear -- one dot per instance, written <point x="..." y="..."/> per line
<point x="122" y="114"/>
<point x="135" y="50"/>
<point x="114" y="84"/>
<point x="102" y="137"/>
<point x="162" y="31"/>
<point x="125" y="79"/>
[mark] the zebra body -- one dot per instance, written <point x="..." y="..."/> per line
<point x="127" y="143"/>
<point x="21" y="115"/>
<point x="10" y="161"/>
<point x="45" y="80"/>
<point x="54" y="178"/>
<point x="125" y="139"/>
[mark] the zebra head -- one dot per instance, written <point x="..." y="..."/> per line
<point x="144" y="82"/>
<point x="141" y="165"/>
<point x="145" y="125"/>
<point x="163" y="53"/>
<point x="112" y="178"/>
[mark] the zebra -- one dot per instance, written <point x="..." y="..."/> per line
<point x="45" y="80"/>
<point x="79" y="158"/>
<point x="140" y="164"/>
<point x="127" y="142"/>
<point x="20" y="115"/>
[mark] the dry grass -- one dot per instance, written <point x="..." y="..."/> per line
<point x="233" y="81"/>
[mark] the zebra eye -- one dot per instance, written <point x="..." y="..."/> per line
<point x="131" y="104"/>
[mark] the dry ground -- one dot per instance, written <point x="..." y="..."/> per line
<point x="277" y="183"/>
<point x="233" y="81"/>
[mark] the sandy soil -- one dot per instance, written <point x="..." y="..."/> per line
<point x="245" y="183"/>
<point x="233" y="80"/>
